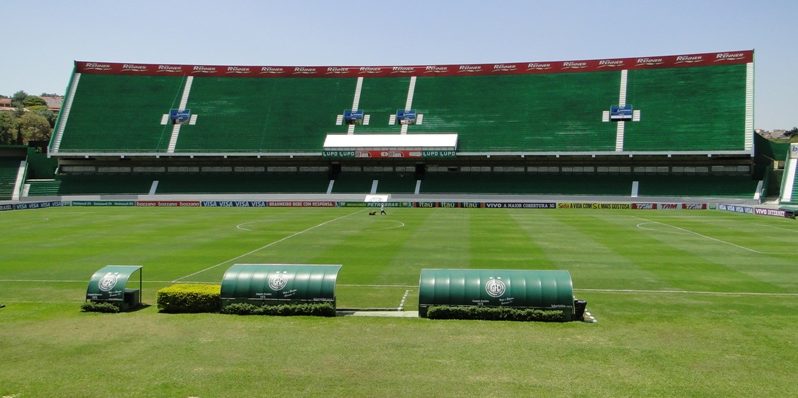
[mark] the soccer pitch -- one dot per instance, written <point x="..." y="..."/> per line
<point x="689" y="303"/>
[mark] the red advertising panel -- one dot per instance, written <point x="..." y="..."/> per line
<point x="377" y="154"/>
<point x="669" y="61"/>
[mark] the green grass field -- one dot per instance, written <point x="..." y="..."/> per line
<point x="688" y="304"/>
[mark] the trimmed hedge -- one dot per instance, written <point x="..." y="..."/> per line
<point x="311" y="309"/>
<point x="90" y="306"/>
<point x="186" y="297"/>
<point x="496" y="313"/>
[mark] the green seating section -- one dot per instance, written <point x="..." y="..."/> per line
<point x="396" y="183"/>
<point x="44" y="187"/>
<point x="532" y="113"/>
<point x="387" y="183"/>
<point x="8" y="177"/>
<point x="687" y="109"/>
<point x="434" y="183"/>
<point x="139" y="184"/>
<point x="683" y="109"/>
<point x="353" y="183"/>
<point x="589" y="184"/>
<point x="242" y="183"/>
<point x="785" y="186"/>
<point x="95" y="184"/>
<point x="121" y="113"/>
<point x="264" y="115"/>
<point x="521" y="183"/>
<point x="742" y="187"/>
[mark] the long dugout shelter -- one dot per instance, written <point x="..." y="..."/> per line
<point x="272" y="284"/>
<point x="536" y="289"/>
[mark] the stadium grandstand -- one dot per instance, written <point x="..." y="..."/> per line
<point x="789" y="189"/>
<point x="13" y="167"/>
<point x="679" y="125"/>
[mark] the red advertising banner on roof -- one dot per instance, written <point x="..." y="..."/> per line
<point x="594" y="65"/>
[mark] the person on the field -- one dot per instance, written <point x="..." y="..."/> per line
<point x="382" y="209"/>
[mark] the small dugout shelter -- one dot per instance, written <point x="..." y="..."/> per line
<point x="536" y="289"/>
<point x="273" y="284"/>
<point x="110" y="284"/>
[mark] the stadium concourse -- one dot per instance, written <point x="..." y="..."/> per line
<point x="662" y="126"/>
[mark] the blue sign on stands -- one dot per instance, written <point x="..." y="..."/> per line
<point x="618" y="112"/>
<point x="406" y="116"/>
<point x="353" y="116"/>
<point x="180" y="116"/>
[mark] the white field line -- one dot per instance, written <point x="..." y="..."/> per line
<point x="765" y="294"/>
<point x="398" y="225"/>
<point x="266" y="246"/>
<point x="241" y="226"/>
<point x="402" y="303"/>
<point x="640" y="226"/>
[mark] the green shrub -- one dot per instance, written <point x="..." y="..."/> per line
<point x="311" y="309"/>
<point x="100" y="306"/>
<point x="185" y="297"/>
<point x="496" y="313"/>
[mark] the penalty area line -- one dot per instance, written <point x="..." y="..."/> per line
<point x="266" y="246"/>
<point x="640" y="226"/>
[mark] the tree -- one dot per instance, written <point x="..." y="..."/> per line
<point x="33" y="100"/>
<point x="42" y="110"/>
<point x="8" y="128"/>
<point x="18" y="98"/>
<point x="32" y="127"/>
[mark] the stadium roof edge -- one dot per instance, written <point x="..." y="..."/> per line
<point x="534" y="67"/>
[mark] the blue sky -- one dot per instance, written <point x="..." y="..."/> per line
<point x="42" y="38"/>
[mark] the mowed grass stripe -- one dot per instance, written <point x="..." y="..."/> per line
<point x="713" y="342"/>
<point x="745" y="231"/>
<point x="499" y="241"/>
<point x="437" y="239"/>
<point x="261" y="248"/>
<point x="570" y="240"/>
<point x="681" y="260"/>
<point x="760" y="271"/>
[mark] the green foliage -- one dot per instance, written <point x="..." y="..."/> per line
<point x="32" y="127"/>
<point x="33" y="100"/>
<point x="44" y="112"/>
<point x="8" y="128"/>
<point x="309" y="309"/>
<point x="184" y="297"/>
<point x="18" y="98"/>
<point x="100" y="306"/>
<point x="496" y="313"/>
